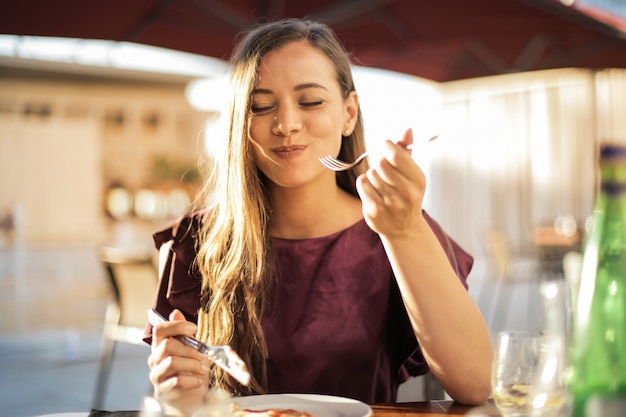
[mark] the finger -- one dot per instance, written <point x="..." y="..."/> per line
<point x="392" y="200"/>
<point x="407" y="138"/>
<point x="372" y="201"/>
<point x="180" y="397"/>
<point x="177" y="327"/>
<point x="383" y="175"/>
<point x="392" y="195"/>
<point x="374" y="190"/>
<point x="175" y="387"/>
<point x="380" y="186"/>
<point x="174" y="365"/>
<point x="366" y="189"/>
<point x="405" y="175"/>
<point x="394" y="187"/>
<point x="178" y="373"/>
<point x="396" y="155"/>
<point x="177" y="315"/>
<point x="174" y="347"/>
<point x="403" y="144"/>
<point x="164" y="368"/>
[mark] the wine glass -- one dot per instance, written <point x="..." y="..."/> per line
<point x="516" y="364"/>
<point x="550" y="393"/>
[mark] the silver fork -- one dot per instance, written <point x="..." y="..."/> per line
<point x="223" y="356"/>
<point x="335" y="164"/>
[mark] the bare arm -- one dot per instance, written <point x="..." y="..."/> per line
<point x="447" y="323"/>
<point x="451" y="331"/>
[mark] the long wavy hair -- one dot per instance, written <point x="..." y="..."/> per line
<point x="235" y="254"/>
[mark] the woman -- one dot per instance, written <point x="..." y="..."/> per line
<point x="323" y="282"/>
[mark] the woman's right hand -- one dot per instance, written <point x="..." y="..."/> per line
<point x="179" y="373"/>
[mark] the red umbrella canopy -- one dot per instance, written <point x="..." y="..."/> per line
<point x="444" y="40"/>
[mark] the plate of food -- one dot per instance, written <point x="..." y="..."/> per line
<point x="299" y="405"/>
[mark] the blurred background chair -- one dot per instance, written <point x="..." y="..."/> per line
<point x="132" y="275"/>
<point x="432" y="388"/>
<point x="510" y="270"/>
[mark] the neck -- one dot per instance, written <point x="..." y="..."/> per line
<point x="301" y="213"/>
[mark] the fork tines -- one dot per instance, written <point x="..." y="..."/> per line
<point x="334" y="164"/>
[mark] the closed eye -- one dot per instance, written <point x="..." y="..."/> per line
<point x="260" y="109"/>
<point x="310" y="104"/>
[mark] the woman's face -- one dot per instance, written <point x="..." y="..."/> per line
<point x="298" y="114"/>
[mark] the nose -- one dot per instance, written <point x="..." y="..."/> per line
<point x="286" y="121"/>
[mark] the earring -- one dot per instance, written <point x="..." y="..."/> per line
<point x="347" y="132"/>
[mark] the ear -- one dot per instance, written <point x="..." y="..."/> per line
<point x="351" y="111"/>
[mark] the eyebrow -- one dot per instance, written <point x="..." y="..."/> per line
<point x="299" y="87"/>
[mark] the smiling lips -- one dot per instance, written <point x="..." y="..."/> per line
<point x="289" y="152"/>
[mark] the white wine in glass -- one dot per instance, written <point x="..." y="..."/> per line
<point x="516" y="363"/>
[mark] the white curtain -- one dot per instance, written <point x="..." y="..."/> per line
<point x="519" y="150"/>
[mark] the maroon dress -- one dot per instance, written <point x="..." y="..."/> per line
<point x="335" y="324"/>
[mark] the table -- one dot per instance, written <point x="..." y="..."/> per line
<point x="410" y="409"/>
<point x="552" y="247"/>
<point x="433" y="408"/>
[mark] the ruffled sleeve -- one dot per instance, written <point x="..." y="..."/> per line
<point x="460" y="260"/>
<point x="180" y="282"/>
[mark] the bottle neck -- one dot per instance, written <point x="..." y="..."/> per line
<point x="613" y="188"/>
<point x="613" y="176"/>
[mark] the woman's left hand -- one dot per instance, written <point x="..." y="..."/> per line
<point x="392" y="189"/>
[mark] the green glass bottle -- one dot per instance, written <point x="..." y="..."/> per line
<point x="598" y="351"/>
